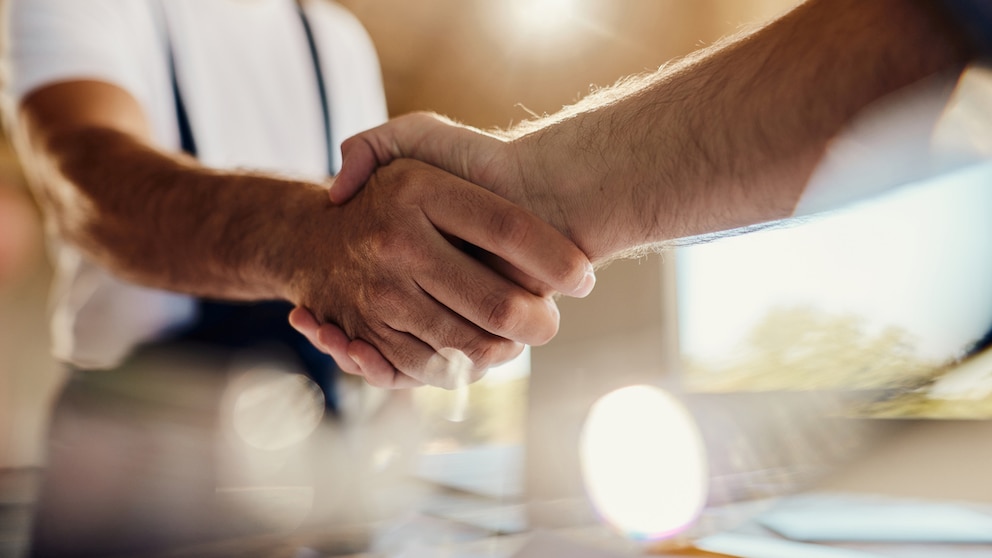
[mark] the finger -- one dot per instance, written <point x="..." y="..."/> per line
<point x="405" y="353"/>
<point x="496" y="225"/>
<point x="405" y="136"/>
<point x="504" y="268"/>
<point x="443" y="329"/>
<point x="334" y="340"/>
<point x="359" y="161"/>
<point x="447" y="369"/>
<point x="475" y="292"/>
<point x="303" y="321"/>
<point x="377" y="370"/>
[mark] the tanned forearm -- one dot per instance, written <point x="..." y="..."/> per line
<point x="385" y="267"/>
<point x="729" y="136"/>
<point x="163" y="221"/>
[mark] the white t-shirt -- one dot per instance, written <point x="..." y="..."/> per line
<point x="249" y="86"/>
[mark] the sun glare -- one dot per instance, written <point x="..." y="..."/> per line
<point x="644" y="463"/>
<point x="541" y="16"/>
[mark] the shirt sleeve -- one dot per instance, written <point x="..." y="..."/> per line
<point x="50" y="41"/>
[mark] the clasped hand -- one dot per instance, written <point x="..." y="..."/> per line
<point x="413" y="306"/>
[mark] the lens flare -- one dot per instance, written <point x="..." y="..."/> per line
<point x="644" y="463"/>
<point x="452" y="368"/>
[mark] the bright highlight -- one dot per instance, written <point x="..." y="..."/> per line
<point x="643" y="462"/>
<point x="540" y="17"/>
<point x="273" y="410"/>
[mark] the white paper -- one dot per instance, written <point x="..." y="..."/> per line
<point x="850" y="520"/>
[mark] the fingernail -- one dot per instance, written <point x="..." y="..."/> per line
<point x="587" y="284"/>
<point x="358" y="362"/>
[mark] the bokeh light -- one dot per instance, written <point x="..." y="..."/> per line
<point x="272" y="410"/>
<point x="643" y="462"/>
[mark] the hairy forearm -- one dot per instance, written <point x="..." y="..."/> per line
<point x="729" y="136"/>
<point x="166" y="222"/>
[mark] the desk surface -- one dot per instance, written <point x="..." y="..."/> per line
<point x="163" y="465"/>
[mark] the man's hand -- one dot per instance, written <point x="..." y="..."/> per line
<point x="502" y="166"/>
<point x="464" y="152"/>
<point x="389" y="270"/>
<point x="536" y="169"/>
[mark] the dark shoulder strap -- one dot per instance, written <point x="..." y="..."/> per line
<point x="318" y="73"/>
<point x="188" y="140"/>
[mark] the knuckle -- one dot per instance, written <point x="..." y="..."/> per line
<point x="421" y="117"/>
<point x="385" y="245"/>
<point x="351" y="142"/>
<point x="405" y="179"/>
<point x="483" y="352"/>
<point x="463" y="363"/>
<point x="510" y="228"/>
<point x="494" y="352"/>
<point x="571" y="270"/>
<point x="377" y="244"/>
<point x="506" y="312"/>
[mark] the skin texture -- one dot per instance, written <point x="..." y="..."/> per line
<point x="724" y="139"/>
<point x="392" y="268"/>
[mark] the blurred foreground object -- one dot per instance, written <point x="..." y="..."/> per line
<point x="644" y="462"/>
<point x="28" y="374"/>
<point x="20" y="245"/>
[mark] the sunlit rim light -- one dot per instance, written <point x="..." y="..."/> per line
<point x="643" y="462"/>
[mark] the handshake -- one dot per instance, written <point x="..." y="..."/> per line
<point x="457" y="257"/>
<point x="439" y="248"/>
<point x="457" y="240"/>
<point x="451" y="242"/>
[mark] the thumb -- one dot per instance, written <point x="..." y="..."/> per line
<point x="427" y="137"/>
<point x="361" y="154"/>
<point x="358" y="162"/>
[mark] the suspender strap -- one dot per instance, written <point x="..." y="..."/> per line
<point x="187" y="140"/>
<point x="244" y="325"/>
<point x="318" y="73"/>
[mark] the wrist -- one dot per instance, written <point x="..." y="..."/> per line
<point x="296" y="236"/>
<point x="581" y="182"/>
